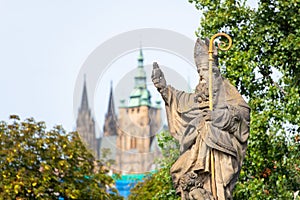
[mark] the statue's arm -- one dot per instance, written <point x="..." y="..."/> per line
<point x="159" y="81"/>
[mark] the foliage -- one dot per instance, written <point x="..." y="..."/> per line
<point x="159" y="185"/>
<point x="40" y="164"/>
<point x="264" y="64"/>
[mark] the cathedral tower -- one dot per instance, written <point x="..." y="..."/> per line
<point x="85" y="124"/>
<point x="130" y="136"/>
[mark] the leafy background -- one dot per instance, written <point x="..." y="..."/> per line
<point x="264" y="64"/>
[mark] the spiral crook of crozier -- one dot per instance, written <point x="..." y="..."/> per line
<point x="224" y="46"/>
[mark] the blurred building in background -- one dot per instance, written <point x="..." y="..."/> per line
<point x="130" y="135"/>
<point x="128" y="141"/>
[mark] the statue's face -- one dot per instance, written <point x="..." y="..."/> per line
<point x="203" y="74"/>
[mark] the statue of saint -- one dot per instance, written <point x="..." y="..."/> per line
<point x="212" y="142"/>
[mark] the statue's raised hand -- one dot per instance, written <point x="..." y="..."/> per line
<point x="158" y="78"/>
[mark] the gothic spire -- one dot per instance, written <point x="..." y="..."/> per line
<point x="109" y="128"/>
<point x="111" y="103"/>
<point x="84" y="98"/>
<point x="140" y="78"/>
<point x="141" y="59"/>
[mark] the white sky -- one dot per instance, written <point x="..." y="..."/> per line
<point x="44" y="43"/>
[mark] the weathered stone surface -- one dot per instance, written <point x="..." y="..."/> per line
<point x="211" y="141"/>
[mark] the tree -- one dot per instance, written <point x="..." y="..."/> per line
<point x="264" y="64"/>
<point x="40" y="164"/>
<point x="159" y="185"/>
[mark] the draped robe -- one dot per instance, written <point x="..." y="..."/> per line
<point x="226" y="134"/>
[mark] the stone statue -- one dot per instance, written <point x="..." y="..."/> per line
<point x="213" y="141"/>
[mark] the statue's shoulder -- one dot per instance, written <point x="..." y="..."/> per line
<point x="233" y="95"/>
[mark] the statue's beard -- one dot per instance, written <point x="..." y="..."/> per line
<point x="202" y="87"/>
<point x="202" y="90"/>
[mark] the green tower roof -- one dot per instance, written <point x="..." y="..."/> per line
<point x="140" y="96"/>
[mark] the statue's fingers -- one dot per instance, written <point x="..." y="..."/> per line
<point x="155" y="73"/>
<point x="155" y="65"/>
<point x="203" y="96"/>
<point x="199" y="99"/>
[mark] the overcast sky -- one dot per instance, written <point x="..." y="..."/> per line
<point x="45" y="43"/>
